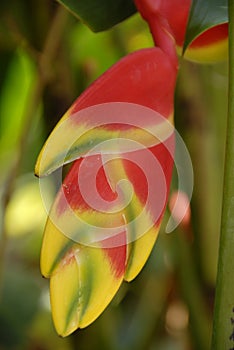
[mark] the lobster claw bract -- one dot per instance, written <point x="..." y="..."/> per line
<point x="101" y="229"/>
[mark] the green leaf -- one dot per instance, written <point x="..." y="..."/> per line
<point x="100" y="15"/>
<point x="204" y="14"/>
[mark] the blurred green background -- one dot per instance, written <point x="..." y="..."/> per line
<point x="47" y="58"/>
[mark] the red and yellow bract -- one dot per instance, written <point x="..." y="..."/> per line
<point x="85" y="277"/>
<point x="209" y="47"/>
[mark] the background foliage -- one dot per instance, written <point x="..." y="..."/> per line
<point x="47" y="58"/>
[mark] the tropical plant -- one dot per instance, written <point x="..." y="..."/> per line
<point x="109" y="205"/>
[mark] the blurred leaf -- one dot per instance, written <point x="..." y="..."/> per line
<point x="14" y="98"/>
<point x="100" y="15"/>
<point x="205" y="14"/>
<point x="25" y="213"/>
<point x="19" y="301"/>
<point x="88" y="50"/>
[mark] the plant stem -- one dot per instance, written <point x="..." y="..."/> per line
<point x="223" y="328"/>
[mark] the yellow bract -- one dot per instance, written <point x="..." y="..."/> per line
<point x="83" y="280"/>
<point x="138" y="253"/>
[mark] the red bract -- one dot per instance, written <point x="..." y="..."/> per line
<point x="101" y="229"/>
<point x="144" y="79"/>
<point x="209" y="46"/>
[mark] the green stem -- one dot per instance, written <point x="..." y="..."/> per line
<point x="223" y="329"/>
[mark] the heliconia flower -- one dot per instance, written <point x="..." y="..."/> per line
<point x="86" y="274"/>
<point x="209" y="47"/>
<point x="101" y="230"/>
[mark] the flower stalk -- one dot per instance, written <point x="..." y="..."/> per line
<point x="223" y="328"/>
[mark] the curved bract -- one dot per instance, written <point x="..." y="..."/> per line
<point x="146" y="78"/>
<point x="209" y="47"/>
<point x="106" y="216"/>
